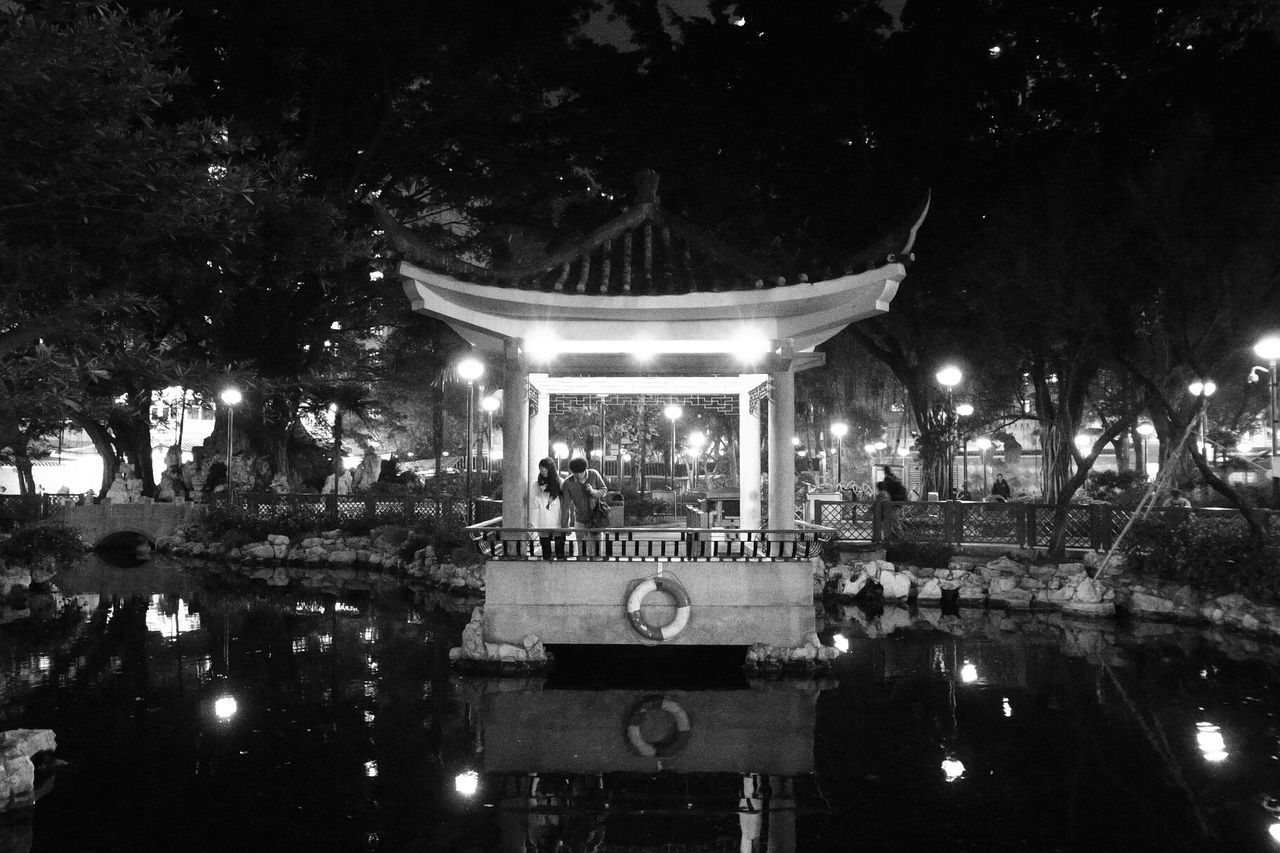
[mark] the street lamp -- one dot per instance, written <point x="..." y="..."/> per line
<point x="983" y="444"/>
<point x="964" y="410"/>
<point x="1269" y="349"/>
<point x="1204" y="389"/>
<point x="839" y="430"/>
<point x="1146" y="429"/>
<point x="469" y="370"/>
<point x="695" y="442"/>
<point x="604" y="442"/>
<point x="490" y="405"/>
<point x="949" y="377"/>
<point x="231" y="398"/>
<point x="673" y="413"/>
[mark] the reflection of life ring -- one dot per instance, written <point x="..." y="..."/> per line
<point x="671" y="587"/>
<point x="670" y="745"/>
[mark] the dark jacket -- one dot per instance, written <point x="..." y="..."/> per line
<point x="579" y="497"/>
<point x="892" y="485"/>
<point x="1001" y="488"/>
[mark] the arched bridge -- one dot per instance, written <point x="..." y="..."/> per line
<point x="96" y="522"/>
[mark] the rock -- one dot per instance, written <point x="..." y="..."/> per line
<point x="343" y="557"/>
<point x="1017" y="599"/>
<point x="930" y="590"/>
<point x="1088" y="591"/>
<point x="1141" y="602"/>
<point x="895" y="584"/>
<point x="1004" y="564"/>
<point x="852" y="586"/>
<point x="473" y="635"/>
<point x="1096" y="609"/>
<point x="1249" y="623"/>
<point x="17" y="771"/>
<point x="1002" y="585"/>
<point x="277" y="539"/>
<point x="1235" y="601"/>
<point x="260" y="552"/>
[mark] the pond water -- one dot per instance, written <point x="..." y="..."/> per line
<point x="196" y="715"/>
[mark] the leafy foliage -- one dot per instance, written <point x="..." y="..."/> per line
<point x="1209" y="555"/>
<point x="935" y="555"/>
<point x="46" y="539"/>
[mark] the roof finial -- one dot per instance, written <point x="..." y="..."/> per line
<point x="647" y="187"/>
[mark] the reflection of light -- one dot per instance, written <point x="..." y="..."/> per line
<point x="371" y="769"/>
<point x="370" y="634"/>
<point x="841" y="642"/>
<point x="368" y="717"/>
<point x="346" y="608"/>
<point x="1008" y="709"/>
<point x="952" y="768"/>
<point x="467" y="783"/>
<point x="1209" y="739"/>
<point x="44" y="663"/>
<point x="325" y="640"/>
<point x="964" y="410"/>
<point x="299" y="645"/>
<point x="371" y="663"/>
<point x="370" y="689"/>
<point x="224" y="707"/>
<point x="968" y="673"/>
<point x="169" y="627"/>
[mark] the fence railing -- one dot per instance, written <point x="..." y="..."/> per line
<point x="335" y="509"/>
<point x="622" y="544"/>
<point x="1093" y="526"/>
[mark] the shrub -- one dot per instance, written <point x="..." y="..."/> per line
<point x="926" y="554"/>
<point x="17" y="510"/>
<point x="1119" y="488"/>
<point x="1215" y="556"/>
<point x="45" y="539"/>
<point x="287" y="519"/>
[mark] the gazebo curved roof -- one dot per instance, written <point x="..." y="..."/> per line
<point x="647" y="280"/>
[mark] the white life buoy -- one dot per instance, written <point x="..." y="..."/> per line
<point x="668" y="746"/>
<point x="671" y="587"/>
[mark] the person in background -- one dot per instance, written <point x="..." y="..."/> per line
<point x="1000" y="488"/>
<point x="964" y="493"/>
<point x="1178" y="499"/>
<point x="547" y="509"/>
<point x="584" y="487"/>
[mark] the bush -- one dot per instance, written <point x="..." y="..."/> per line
<point x="19" y="509"/>
<point x="1119" y="488"/>
<point x="935" y="555"/>
<point x="1215" y="556"/>
<point x="45" y="539"/>
<point x="285" y="519"/>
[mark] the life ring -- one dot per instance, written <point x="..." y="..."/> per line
<point x="671" y="587"/>
<point x="670" y="745"/>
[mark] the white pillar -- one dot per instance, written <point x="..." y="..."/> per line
<point x="515" y="440"/>
<point x="748" y="463"/>
<point x="782" y="455"/>
<point x="540" y="429"/>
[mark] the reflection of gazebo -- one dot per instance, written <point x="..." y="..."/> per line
<point x="648" y="304"/>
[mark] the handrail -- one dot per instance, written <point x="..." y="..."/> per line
<point x="626" y="544"/>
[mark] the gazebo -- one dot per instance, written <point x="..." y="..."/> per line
<point x="648" y="305"/>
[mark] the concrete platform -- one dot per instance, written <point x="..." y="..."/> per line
<point x="584" y="602"/>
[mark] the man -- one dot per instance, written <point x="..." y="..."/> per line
<point x="583" y="488"/>
<point x="1177" y="500"/>
<point x="1000" y="488"/>
<point x="894" y="489"/>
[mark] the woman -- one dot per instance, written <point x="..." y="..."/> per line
<point x="546" y="509"/>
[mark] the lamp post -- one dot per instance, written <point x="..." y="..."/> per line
<point x="839" y="430"/>
<point x="983" y="444"/>
<point x="469" y="370"/>
<point x="695" y="442"/>
<point x="673" y="413"/>
<point x="964" y="410"/>
<point x="231" y="398"/>
<point x="604" y="443"/>
<point x="490" y="405"/>
<point x="949" y="377"/>
<point x="1146" y="429"/>
<point x="1203" y="388"/>
<point x="560" y="450"/>
<point x="1269" y="349"/>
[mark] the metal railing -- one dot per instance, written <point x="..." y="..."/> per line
<point x="334" y="509"/>
<point x="1093" y="526"/>
<point x="496" y="542"/>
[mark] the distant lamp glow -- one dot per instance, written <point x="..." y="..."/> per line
<point x="1268" y="348"/>
<point x="540" y="346"/>
<point x="949" y="376"/>
<point x="1084" y="442"/>
<point x="696" y="440"/>
<point x="982" y="443"/>
<point x="904" y="451"/>
<point x="964" y="410"/>
<point x="841" y="642"/>
<point x="870" y="448"/>
<point x="225" y="707"/>
<point x="1274" y="832"/>
<point x="673" y="412"/>
<point x="231" y="396"/>
<point x="1207" y="387"/>
<point x="470" y="369"/>
<point x="952" y="768"/>
<point x="467" y="783"/>
<point x="839" y="430"/>
<point x="968" y="673"/>
<point x="1209" y="739"/>
<point x="795" y="441"/>
<point x="881" y="445"/>
<point x="490" y="403"/>
<point x="560" y="449"/>
<point x="1146" y="429"/>
<point x="1006" y="707"/>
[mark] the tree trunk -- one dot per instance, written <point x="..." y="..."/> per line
<point x="1055" y="472"/>
<point x="102" y="443"/>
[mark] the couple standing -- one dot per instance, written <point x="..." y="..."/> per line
<point x="554" y="502"/>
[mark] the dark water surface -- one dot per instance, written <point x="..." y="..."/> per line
<point x="196" y="715"/>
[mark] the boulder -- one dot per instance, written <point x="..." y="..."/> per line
<point x="1141" y="602"/>
<point x="895" y="584"/>
<point x="930" y="590"/>
<point x="1088" y="591"/>
<point x="277" y="539"/>
<point x="17" y="771"/>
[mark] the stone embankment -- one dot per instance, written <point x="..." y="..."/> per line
<point x="1010" y="584"/>
<point x="19" y="751"/>
<point x="333" y="559"/>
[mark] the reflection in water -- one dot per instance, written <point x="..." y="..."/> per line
<point x="244" y="718"/>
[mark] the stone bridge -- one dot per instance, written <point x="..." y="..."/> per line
<point x="96" y="522"/>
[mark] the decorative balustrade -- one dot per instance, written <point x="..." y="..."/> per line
<point x="657" y="543"/>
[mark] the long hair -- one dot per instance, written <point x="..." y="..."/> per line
<point x="551" y="483"/>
